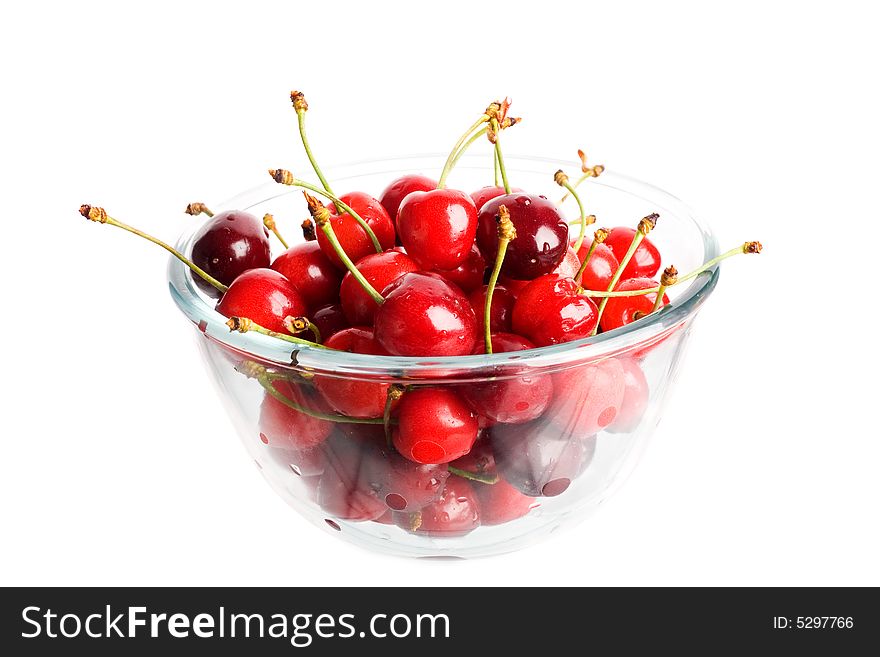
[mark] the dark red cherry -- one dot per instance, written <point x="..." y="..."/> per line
<point x="344" y="489"/>
<point x="593" y="397"/>
<point x="380" y="269"/>
<point x="310" y="272"/>
<point x="437" y="228"/>
<point x="486" y="194"/>
<point x="541" y="235"/>
<point x="349" y="395"/>
<point x="511" y="397"/>
<point x="329" y="319"/>
<point x="263" y="296"/>
<point x="549" y="311"/>
<point x="434" y="425"/>
<point x="354" y="239"/>
<point x="600" y="269"/>
<point x="539" y="460"/>
<point x="645" y="261"/>
<point x="500" y="313"/>
<point x="455" y="513"/>
<point x="408" y="486"/>
<point x="228" y="245"/>
<point x="469" y="274"/>
<point x="635" y="398"/>
<point x="479" y="461"/>
<point x="619" y="311"/>
<point x="287" y="428"/>
<point x="392" y="196"/>
<point x="500" y="503"/>
<point x="425" y="315"/>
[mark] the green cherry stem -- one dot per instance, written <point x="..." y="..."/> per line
<point x="321" y="215"/>
<point x="99" y="215"/>
<point x="298" y="99"/>
<point x="473" y="476"/>
<point x="598" y="237"/>
<point x="447" y="167"/>
<point x="588" y="172"/>
<point x="493" y="137"/>
<point x="284" y="177"/>
<point x="269" y="223"/>
<point x="244" y="325"/>
<point x="562" y="180"/>
<point x="495" y="166"/>
<point x="506" y="233"/>
<point x="467" y="145"/>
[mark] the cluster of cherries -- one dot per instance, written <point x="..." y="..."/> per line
<point x="426" y="271"/>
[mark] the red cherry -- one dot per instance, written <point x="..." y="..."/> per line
<point x="513" y="285"/>
<point x="329" y="319"/>
<point x="228" y="245"/>
<point x="354" y="240"/>
<point x="398" y="189"/>
<point x="310" y="272"/>
<point x="619" y="311"/>
<point x="349" y="395"/>
<point x="511" y="399"/>
<point x="424" y="315"/>
<point x="469" y="274"/>
<point x="437" y="228"/>
<point x="549" y="311"/>
<point x="263" y="296"/>
<point x="566" y="269"/>
<point x="635" y="398"/>
<point x="344" y="490"/>
<point x="380" y="269"/>
<point x="299" y="462"/>
<point x="500" y="503"/>
<point x="593" y="395"/>
<point x="600" y="269"/>
<point x="646" y="259"/>
<point x="500" y="314"/>
<point x="455" y="513"/>
<point x="479" y="461"/>
<point x="287" y="428"/>
<point x="408" y="486"/>
<point x="486" y="194"/>
<point x="434" y="425"/>
<point x="541" y="235"/>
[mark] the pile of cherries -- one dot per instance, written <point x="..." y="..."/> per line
<point x="409" y="273"/>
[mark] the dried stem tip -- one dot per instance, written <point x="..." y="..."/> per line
<point x="646" y="225"/>
<point x="560" y="178"/>
<point x="296" y="324"/>
<point x="319" y="213"/>
<point x="493" y="109"/>
<point x="597" y="170"/>
<point x="282" y="176"/>
<point x="299" y="101"/>
<point x="509" y="121"/>
<point x="600" y="235"/>
<point x="269" y="221"/>
<point x="752" y="247"/>
<point x="240" y="324"/>
<point x="196" y="208"/>
<point x="93" y="213"/>
<point x="583" y="158"/>
<point x="308" y="229"/>
<point x="669" y="276"/>
<point x="506" y="229"/>
<point x="395" y="391"/>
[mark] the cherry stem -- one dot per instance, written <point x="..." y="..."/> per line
<point x="284" y="177"/>
<point x="447" y="167"/>
<point x="500" y="157"/>
<point x="645" y="227"/>
<point x="562" y="180"/>
<point x="321" y="215"/>
<point x="473" y="476"/>
<point x="301" y="106"/>
<point x="589" y="173"/>
<point x="495" y="166"/>
<point x="99" y="215"/>
<point x="269" y="223"/>
<point x="506" y="233"/>
<point x="298" y="325"/>
<point x="244" y="325"/>
<point x="598" y="237"/>
<point x="395" y="392"/>
<point x="196" y="208"/>
<point x="467" y="145"/>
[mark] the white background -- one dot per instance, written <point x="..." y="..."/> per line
<point x="118" y="464"/>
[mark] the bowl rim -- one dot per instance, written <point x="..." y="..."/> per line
<point x="644" y="331"/>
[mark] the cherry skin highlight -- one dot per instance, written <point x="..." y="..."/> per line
<point x="348" y="395"/>
<point x="380" y="269"/>
<point x="434" y="425"/>
<point x="228" y="245"/>
<point x="549" y="310"/>
<point x="437" y="228"/>
<point x="310" y="272"/>
<point x="354" y="239"/>
<point x="263" y="296"/>
<point x="646" y="259"/>
<point x="398" y="189"/>
<point x="424" y="315"/>
<point x="619" y="311"/>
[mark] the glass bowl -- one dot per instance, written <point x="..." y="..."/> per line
<point x="585" y="409"/>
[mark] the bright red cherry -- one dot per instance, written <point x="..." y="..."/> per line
<point x="511" y="399"/>
<point x="541" y="235"/>
<point x="500" y="314"/>
<point x="398" y="189"/>
<point x="455" y="513"/>
<point x="263" y="296"/>
<point x="434" y="425"/>
<point x="500" y="503"/>
<point x="600" y="269"/>
<point x="228" y="245"/>
<point x="329" y="319"/>
<point x="619" y="311"/>
<point x="354" y="239"/>
<point x="593" y="397"/>
<point x="635" y="398"/>
<point x="287" y="428"/>
<point x="380" y="269"/>
<point x="469" y="274"/>
<point x="437" y="228"/>
<point x="646" y="259"/>
<point x="486" y="194"/>
<point x="549" y="311"/>
<point x="349" y="395"/>
<point x="310" y="272"/>
<point x="424" y="315"/>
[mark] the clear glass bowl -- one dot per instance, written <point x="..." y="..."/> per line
<point x="354" y="487"/>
